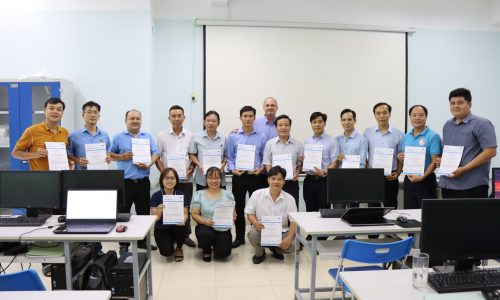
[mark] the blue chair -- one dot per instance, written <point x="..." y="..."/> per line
<point x="27" y="280"/>
<point x="369" y="253"/>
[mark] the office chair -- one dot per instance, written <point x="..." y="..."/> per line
<point x="27" y="280"/>
<point x="368" y="253"/>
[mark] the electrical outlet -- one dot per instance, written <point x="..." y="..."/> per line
<point x="193" y="96"/>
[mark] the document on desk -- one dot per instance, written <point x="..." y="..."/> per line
<point x="211" y="158"/>
<point x="382" y="158"/>
<point x="141" y="151"/>
<point x="351" y="162"/>
<point x="96" y="156"/>
<point x="313" y="157"/>
<point x="450" y="160"/>
<point x="284" y="161"/>
<point x="271" y="233"/>
<point x="414" y="162"/>
<point x="178" y="162"/>
<point x="223" y="215"/>
<point x="245" y="157"/>
<point x="57" y="155"/>
<point x="173" y="213"/>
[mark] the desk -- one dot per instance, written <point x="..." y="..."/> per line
<point x="56" y="295"/>
<point x="311" y="223"/>
<point x="138" y="228"/>
<point x="367" y="285"/>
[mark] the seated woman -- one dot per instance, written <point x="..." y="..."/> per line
<point x="202" y="211"/>
<point x="167" y="235"/>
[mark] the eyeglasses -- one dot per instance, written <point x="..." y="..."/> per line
<point x="92" y="112"/>
<point x="169" y="178"/>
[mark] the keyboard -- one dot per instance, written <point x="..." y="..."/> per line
<point x="332" y="212"/>
<point x="86" y="228"/>
<point x="463" y="281"/>
<point x="22" y="221"/>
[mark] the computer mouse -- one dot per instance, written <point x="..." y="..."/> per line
<point x="121" y="228"/>
<point x="402" y="219"/>
<point x="491" y="294"/>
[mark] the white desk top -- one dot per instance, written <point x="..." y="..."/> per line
<point x="312" y="223"/>
<point x="392" y="284"/>
<point x="137" y="228"/>
<point x="56" y="295"/>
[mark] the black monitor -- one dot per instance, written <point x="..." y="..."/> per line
<point x="355" y="186"/>
<point x="495" y="182"/>
<point x="92" y="180"/>
<point x="464" y="230"/>
<point x="30" y="189"/>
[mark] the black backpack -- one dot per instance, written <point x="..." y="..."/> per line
<point x="96" y="275"/>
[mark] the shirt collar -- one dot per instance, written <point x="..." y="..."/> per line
<point x="322" y="136"/>
<point x="424" y="132"/>
<point x="389" y="130"/>
<point x="268" y="195"/>
<point x="59" y="129"/>
<point x="289" y="141"/>
<point x="205" y="134"/>
<point x="171" y="131"/>
<point x="84" y="129"/>
<point x="352" y="136"/>
<point x="240" y="130"/>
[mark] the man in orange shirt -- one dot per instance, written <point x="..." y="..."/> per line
<point x="31" y="145"/>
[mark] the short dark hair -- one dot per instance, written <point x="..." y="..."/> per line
<point x="282" y="117"/>
<point x="126" y="114"/>
<point x="91" y="104"/>
<point x="317" y="114"/>
<point x="213" y="170"/>
<point x="55" y="100"/>
<point x="212" y="112"/>
<point x="176" y="107"/>
<point x="347" y="110"/>
<point x="380" y="104"/>
<point x="461" y="92"/>
<point x="164" y="173"/>
<point x="415" y="106"/>
<point x="247" y="108"/>
<point x="276" y="170"/>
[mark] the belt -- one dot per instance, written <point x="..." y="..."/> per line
<point x="314" y="177"/>
<point x="137" y="180"/>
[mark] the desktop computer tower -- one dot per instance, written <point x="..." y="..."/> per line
<point x="121" y="278"/>
<point x="79" y="260"/>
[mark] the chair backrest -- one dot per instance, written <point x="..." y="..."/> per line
<point x="27" y="280"/>
<point x="370" y="253"/>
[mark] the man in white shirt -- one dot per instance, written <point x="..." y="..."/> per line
<point x="271" y="201"/>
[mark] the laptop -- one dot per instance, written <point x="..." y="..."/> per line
<point x="367" y="216"/>
<point x="89" y="211"/>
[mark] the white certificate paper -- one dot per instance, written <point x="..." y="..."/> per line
<point x="351" y="161"/>
<point x="452" y="155"/>
<point x="96" y="155"/>
<point x="141" y="151"/>
<point x="382" y="158"/>
<point x="245" y="157"/>
<point x="313" y="157"/>
<point x="223" y="215"/>
<point x="211" y="158"/>
<point x="173" y="213"/>
<point x="414" y="163"/>
<point x="271" y="233"/>
<point x="284" y="161"/>
<point x="58" y="157"/>
<point x="178" y="162"/>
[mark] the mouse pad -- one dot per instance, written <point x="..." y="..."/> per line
<point x="410" y="224"/>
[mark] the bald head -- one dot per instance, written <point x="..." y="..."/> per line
<point x="270" y="107"/>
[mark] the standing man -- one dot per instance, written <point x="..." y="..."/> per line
<point x="477" y="136"/>
<point x="351" y="142"/>
<point x="384" y="135"/>
<point x="89" y="134"/>
<point x="245" y="180"/>
<point x="265" y="124"/>
<point x="137" y="184"/>
<point x="31" y="145"/>
<point x="176" y="140"/>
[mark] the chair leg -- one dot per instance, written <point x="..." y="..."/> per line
<point x="336" y="283"/>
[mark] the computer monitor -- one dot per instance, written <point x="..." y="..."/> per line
<point x="465" y="230"/>
<point x="92" y="180"/>
<point x="495" y="182"/>
<point x="30" y="189"/>
<point x="355" y="186"/>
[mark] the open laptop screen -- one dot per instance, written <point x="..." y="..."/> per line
<point x="91" y="205"/>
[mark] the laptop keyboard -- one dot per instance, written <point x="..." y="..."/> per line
<point x="332" y="212"/>
<point x="94" y="227"/>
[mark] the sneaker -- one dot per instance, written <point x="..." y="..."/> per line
<point x="258" y="259"/>
<point x="237" y="243"/>
<point x="277" y="254"/>
<point x="189" y="242"/>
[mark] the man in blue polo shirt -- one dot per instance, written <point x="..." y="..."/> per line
<point x="265" y="124"/>
<point x="477" y="136"/>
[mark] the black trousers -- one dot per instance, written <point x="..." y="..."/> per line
<point x="187" y="189"/>
<point x="415" y="192"/>
<point x="241" y="185"/>
<point x="292" y="188"/>
<point x="137" y="192"/>
<point x="167" y="236"/>
<point x="315" y="193"/>
<point x="219" y="241"/>
<point x="391" y="190"/>
<point x="475" y="192"/>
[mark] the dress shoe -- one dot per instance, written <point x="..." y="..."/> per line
<point x="258" y="259"/>
<point x="143" y="246"/>
<point x="189" y="242"/>
<point x="277" y="254"/>
<point x="237" y="243"/>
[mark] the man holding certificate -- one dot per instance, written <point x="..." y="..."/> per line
<point x="421" y="148"/>
<point x="244" y="156"/>
<point x="384" y="143"/>
<point x="266" y="207"/>
<point x="285" y="151"/>
<point x="469" y="144"/>
<point x="89" y="146"/>
<point x="352" y="145"/>
<point x="320" y="153"/>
